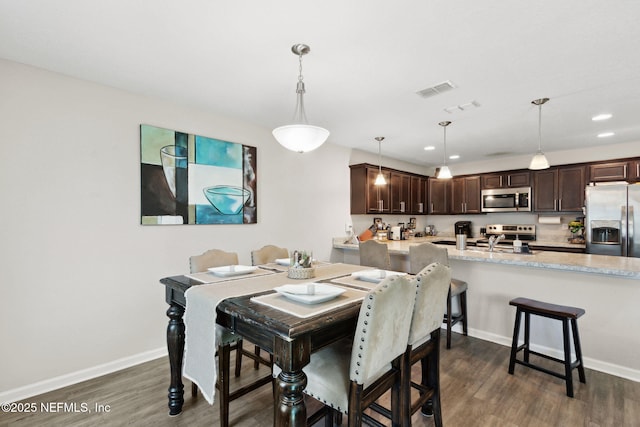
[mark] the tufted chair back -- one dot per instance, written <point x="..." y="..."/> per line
<point x="382" y="329"/>
<point x="431" y="301"/>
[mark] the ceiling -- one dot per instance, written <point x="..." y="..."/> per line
<point x="368" y="60"/>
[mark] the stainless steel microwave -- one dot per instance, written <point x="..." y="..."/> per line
<point x="506" y="200"/>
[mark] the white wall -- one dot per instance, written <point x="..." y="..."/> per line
<point x="79" y="273"/>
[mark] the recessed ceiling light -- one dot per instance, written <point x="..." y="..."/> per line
<point x="600" y="117"/>
<point x="429" y="148"/>
<point x="454" y="156"/>
<point x="605" y="134"/>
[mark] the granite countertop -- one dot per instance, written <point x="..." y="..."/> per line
<point x="586" y="263"/>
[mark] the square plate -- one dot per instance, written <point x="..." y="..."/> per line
<point x="375" y="276"/>
<point x="232" y="270"/>
<point x="283" y="261"/>
<point x="323" y="292"/>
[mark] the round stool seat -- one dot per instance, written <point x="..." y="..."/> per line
<point x="458" y="287"/>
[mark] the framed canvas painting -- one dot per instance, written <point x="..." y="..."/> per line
<point x="193" y="179"/>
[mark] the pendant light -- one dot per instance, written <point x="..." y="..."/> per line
<point x="380" y="180"/>
<point x="300" y="136"/>
<point x="444" y="172"/>
<point x="539" y="161"/>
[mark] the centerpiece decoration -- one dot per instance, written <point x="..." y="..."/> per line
<point x="300" y="265"/>
<point x="577" y="231"/>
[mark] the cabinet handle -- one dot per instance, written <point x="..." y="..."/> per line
<point x="559" y="204"/>
<point x="420" y="207"/>
<point x="431" y="207"/>
<point x="380" y="205"/>
<point x="555" y="204"/>
<point x="401" y="206"/>
<point x="638" y="170"/>
<point x="508" y="183"/>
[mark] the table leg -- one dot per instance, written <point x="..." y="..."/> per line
<point x="291" y="356"/>
<point x="175" y="346"/>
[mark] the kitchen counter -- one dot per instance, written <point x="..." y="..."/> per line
<point x="585" y="263"/>
<point x="606" y="287"/>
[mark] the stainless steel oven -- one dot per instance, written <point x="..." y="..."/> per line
<point x="506" y="200"/>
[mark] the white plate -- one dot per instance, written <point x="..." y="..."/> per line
<point x="375" y="276"/>
<point x="283" y="261"/>
<point x="232" y="270"/>
<point x="323" y="292"/>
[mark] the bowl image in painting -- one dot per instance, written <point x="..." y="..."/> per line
<point x="227" y="199"/>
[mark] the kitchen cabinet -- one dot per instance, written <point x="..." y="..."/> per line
<point x="419" y="186"/>
<point x="465" y="195"/>
<point x="404" y="192"/>
<point x="438" y="196"/>
<point x="634" y="170"/>
<point x="614" y="171"/>
<point x="559" y="189"/>
<point x="400" y="192"/>
<point x="510" y="179"/>
<point x="366" y="197"/>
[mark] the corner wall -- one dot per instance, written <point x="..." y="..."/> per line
<point x="79" y="273"/>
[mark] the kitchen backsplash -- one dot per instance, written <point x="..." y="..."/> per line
<point x="444" y="223"/>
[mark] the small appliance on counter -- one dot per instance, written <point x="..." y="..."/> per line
<point x="463" y="227"/>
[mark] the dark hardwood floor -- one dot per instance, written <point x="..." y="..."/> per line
<point x="476" y="391"/>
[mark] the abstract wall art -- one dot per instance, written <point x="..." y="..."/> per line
<point x="192" y="179"/>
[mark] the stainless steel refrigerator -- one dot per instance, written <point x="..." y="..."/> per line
<point x="610" y="223"/>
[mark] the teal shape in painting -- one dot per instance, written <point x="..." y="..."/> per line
<point x="214" y="152"/>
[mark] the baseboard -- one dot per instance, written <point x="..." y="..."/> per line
<point x="596" y="365"/>
<point x="79" y="376"/>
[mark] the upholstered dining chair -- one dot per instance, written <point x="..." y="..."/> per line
<point x="226" y="341"/>
<point x="348" y="376"/>
<point x="424" y="254"/>
<point x="424" y="345"/>
<point x="267" y="254"/>
<point x="424" y="341"/>
<point x="374" y="254"/>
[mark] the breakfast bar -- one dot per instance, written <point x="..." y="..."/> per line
<point x="607" y="287"/>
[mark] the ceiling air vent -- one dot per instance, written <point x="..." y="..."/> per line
<point x="437" y="89"/>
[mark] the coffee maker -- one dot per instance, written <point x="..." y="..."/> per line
<point x="463" y="227"/>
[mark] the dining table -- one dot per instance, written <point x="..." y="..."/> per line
<point x="289" y="336"/>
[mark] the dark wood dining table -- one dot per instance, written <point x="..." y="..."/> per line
<point x="290" y="339"/>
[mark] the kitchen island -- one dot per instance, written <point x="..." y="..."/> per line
<point x="607" y="287"/>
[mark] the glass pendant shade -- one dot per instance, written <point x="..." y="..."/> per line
<point x="444" y="173"/>
<point x="300" y="136"/>
<point x="539" y="161"/>
<point x="380" y="180"/>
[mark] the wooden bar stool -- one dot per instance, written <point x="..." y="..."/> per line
<point x="552" y="311"/>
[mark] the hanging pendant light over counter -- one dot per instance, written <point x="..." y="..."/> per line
<point x="444" y="172"/>
<point x="380" y="179"/>
<point x="539" y="161"/>
<point x="300" y="136"/>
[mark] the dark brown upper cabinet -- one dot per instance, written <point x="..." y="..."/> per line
<point x="613" y="171"/>
<point x="465" y="195"/>
<point x="509" y="179"/>
<point x="559" y="189"/>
